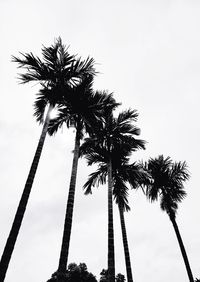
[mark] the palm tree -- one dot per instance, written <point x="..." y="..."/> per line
<point x="114" y="138"/>
<point x="122" y="174"/>
<point x="56" y="71"/>
<point x="83" y="113"/>
<point x="166" y="183"/>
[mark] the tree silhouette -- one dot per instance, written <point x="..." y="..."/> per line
<point x="104" y="277"/>
<point x="115" y="137"/>
<point x="166" y="183"/>
<point x="120" y="278"/>
<point x="123" y="173"/>
<point x="75" y="273"/>
<point x="83" y="113"/>
<point x="58" y="69"/>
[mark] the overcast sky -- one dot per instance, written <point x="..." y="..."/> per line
<point x="148" y="54"/>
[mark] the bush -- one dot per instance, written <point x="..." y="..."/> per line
<point x="74" y="273"/>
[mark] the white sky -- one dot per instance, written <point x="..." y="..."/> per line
<point x="148" y="55"/>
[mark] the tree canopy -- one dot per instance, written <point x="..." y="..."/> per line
<point x="75" y="273"/>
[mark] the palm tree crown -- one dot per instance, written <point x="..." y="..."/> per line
<point x="58" y="67"/>
<point x="167" y="182"/>
<point x="57" y="72"/>
<point x="114" y="135"/>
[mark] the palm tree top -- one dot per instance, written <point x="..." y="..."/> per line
<point x="114" y="135"/>
<point x="167" y="182"/>
<point x="57" y="66"/>
<point x="123" y="173"/>
<point x="82" y="107"/>
<point x="58" y="73"/>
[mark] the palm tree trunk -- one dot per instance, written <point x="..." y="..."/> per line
<point x="125" y="243"/>
<point x="9" y="247"/>
<point x="111" y="253"/>
<point x="185" y="258"/>
<point x="69" y="212"/>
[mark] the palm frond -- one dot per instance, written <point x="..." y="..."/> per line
<point x="98" y="102"/>
<point x="40" y="104"/>
<point x="79" y="68"/>
<point x="105" y="100"/>
<point x="131" y="142"/>
<point x="95" y="158"/>
<point x="63" y="117"/>
<point x="50" y="55"/>
<point x="179" y="172"/>
<point x="82" y="67"/>
<point x="120" y="192"/>
<point x="96" y="178"/>
<point x="127" y="116"/>
<point x="45" y="96"/>
<point x="57" y="57"/>
<point x="28" y="60"/>
<point x="137" y="176"/>
<point x="36" y="69"/>
<point x="92" y="146"/>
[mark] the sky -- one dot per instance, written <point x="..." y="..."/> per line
<point x="147" y="54"/>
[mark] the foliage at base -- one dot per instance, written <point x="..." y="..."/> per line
<point x="74" y="273"/>
<point x="104" y="276"/>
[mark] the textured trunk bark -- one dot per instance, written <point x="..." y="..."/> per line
<point x="111" y="252"/>
<point x="126" y="249"/>
<point x="9" y="247"/>
<point x="185" y="258"/>
<point x="69" y="212"/>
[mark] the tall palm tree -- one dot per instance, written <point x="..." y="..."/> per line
<point x="56" y="71"/>
<point x="84" y="114"/>
<point x="114" y="138"/>
<point x="123" y="173"/>
<point x="166" y="183"/>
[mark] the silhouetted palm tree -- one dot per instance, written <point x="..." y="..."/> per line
<point x="56" y="71"/>
<point x="84" y="114"/>
<point x="122" y="174"/>
<point x="115" y="137"/>
<point x="166" y="183"/>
